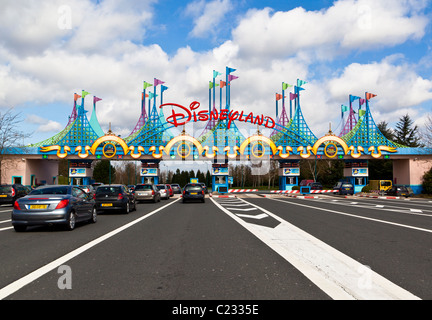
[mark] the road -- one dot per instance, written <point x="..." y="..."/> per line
<point x="240" y="247"/>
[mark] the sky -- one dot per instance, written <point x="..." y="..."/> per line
<point x="51" y="49"/>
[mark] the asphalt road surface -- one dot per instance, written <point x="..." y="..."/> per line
<point x="242" y="247"/>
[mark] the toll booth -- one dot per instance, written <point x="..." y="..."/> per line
<point x="220" y="174"/>
<point x="357" y="173"/>
<point x="289" y="172"/>
<point x="80" y="172"/>
<point x="149" y="172"/>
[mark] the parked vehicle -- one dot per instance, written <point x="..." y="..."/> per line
<point x="315" y="186"/>
<point x="147" y="192"/>
<point x="400" y="191"/>
<point x="381" y="186"/>
<point x="115" y="197"/>
<point x="170" y="189"/>
<point x="53" y="204"/>
<point x="193" y="191"/>
<point x="176" y="188"/>
<point x="344" y="187"/>
<point x="304" y="183"/>
<point x="204" y="186"/>
<point x="11" y="192"/>
<point x="164" y="192"/>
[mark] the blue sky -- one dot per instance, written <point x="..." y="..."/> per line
<point x="49" y="50"/>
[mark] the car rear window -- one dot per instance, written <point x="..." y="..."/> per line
<point x="193" y="188"/>
<point x="347" y="185"/>
<point x="143" y="187"/>
<point x="160" y="187"/>
<point x="5" y="189"/>
<point x="108" y="190"/>
<point x="53" y="190"/>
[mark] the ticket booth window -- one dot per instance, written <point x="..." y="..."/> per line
<point x="359" y="181"/>
<point x="290" y="180"/>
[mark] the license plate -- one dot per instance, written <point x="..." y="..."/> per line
<point x="38" y="206"/>
<point x="106" y="204"/>
<point x="194" y="193"/>
<point x="3" y="195"/>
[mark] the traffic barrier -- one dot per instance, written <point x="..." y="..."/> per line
<point x="242" y="190"/>
<point x="298" y="191"/>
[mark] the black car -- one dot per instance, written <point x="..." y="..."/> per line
<point x="204" y="187"/>
<point x="10" y="192"/>
<point x="176" y="188"/>
<point x="400" y="191"/>
<point x="54" y="205"/>
<point x="114" y="197"/>
<point x="193" y="191"/>
<point x="344" y="187"/>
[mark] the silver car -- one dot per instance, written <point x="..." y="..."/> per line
<point x="54" y="204"/>
<point x="147" y="192"/>
<point x="164" y="191"/>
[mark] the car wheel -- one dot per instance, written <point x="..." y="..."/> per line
<point x="93" y="217"/>
<point x="71" y="221"/>
<point x="127" y="209"/>
<point x="20" y="228"/>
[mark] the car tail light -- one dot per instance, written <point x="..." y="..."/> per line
<point x="16" y="205"/>
<point x="13" y="192"/>
<point x="62" y="204"/>
<point x="120" y="196"/>
<point x="153" y="192"/>
<point x="94" y="196"/>
<point x="202" y="191"/>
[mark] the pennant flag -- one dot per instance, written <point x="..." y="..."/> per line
<point x="300" y="88"/>
<point x="146" y="85"/>
<point x="222" y="84"/>
<point x="361" y="112"/>
<point x="157" y="82"/>
<point x="210" y="84"/>
<point x="84" y="93"/>
<point x="163" y="88"/>
<point x="293" y="96"/>
<point x="286" y="85"/>
<point x="152" y="95"/>
<point x="362" y="101"/>
<point x="231" y="77"/>
<point x="344" y="108"/>
<point x="215" y="74"/>
<point x="229" y="70"/>
<point x="370" y="95"/>
<point x="76" y="97"/>
<point x="300" y="83"/>
<point x="278" y="96"/>
<point x="353" y="98"/>
<point x="96" y="99"/>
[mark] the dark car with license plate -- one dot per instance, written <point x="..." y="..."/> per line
<point x="193" y="191"/>
<point x="147" y="191"/>
<point x="10" y="192"/>
<point x="344" y="188"/>
<point x="53" y="205"/>
<point x="315" y="186"/>
<point x="114" y="197"/>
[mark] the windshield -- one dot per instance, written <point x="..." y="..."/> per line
<point x="193" y="188"/>
<point x="5" y="189"/>
<point x="53" y="190"/>
<point x="108" y="190"/>
<point x="160" y="187"/>
<point x="144" y="187"/>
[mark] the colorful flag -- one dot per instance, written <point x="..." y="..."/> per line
<point x="231" y="78"/>
<point x="229" y="70"/>
<point x="163" y="88"/>
<point x="353" y="98"/>
<point x="76" y="97"/>
<point x="361" y="112"/>
<point x="278" y="96"/>
<point x="152" y="95"/>
<point x="157" y="82"/>
<point x="370" y="95"/>
<point x="146" y="85"/>
<point x="362" y="101"/>
<point x="215" y="74"/>
<point x="96" y="99"/>
<point x="300" y="88"/>
<point x="84" y="93"/>
<point x="222" y="84"/>
<point x="293" y="96"/>
<point x="344" y="108"/>
<point x="300" y="83"/>
<point x="286" y="85"/>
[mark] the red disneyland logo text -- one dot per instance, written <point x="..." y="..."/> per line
<point x="182" y="115"/>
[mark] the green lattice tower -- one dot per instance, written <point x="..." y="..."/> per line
<point x="79" y="132"/>
<point x="296" y="133"/>
<point x="367" y="134"/>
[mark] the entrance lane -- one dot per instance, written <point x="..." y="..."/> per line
<point x="400" y="254"/>
<point x="186" y="251"/>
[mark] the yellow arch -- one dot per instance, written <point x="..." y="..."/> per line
<point x="259" y="139"/>
<point x="330" y="138"/>
<point x="182" y="138"/>
<point x="113" y="138"/>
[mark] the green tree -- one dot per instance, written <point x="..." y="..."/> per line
<point x="427" y="182"/>
<point x="386" y="131"/>
<point x="406" y="134"/>
<point x="103" y="173"/>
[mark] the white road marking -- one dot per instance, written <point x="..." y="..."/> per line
<point x="257" y="217"/>
<point x="337" y="274"/>
<point x="20" y="283"/>
<point x="244" y="209"/>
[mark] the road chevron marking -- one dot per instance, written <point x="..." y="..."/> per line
<point x="337" y="274"/>
<point x="258" y="217"/>
<point x="240" y="209"/>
